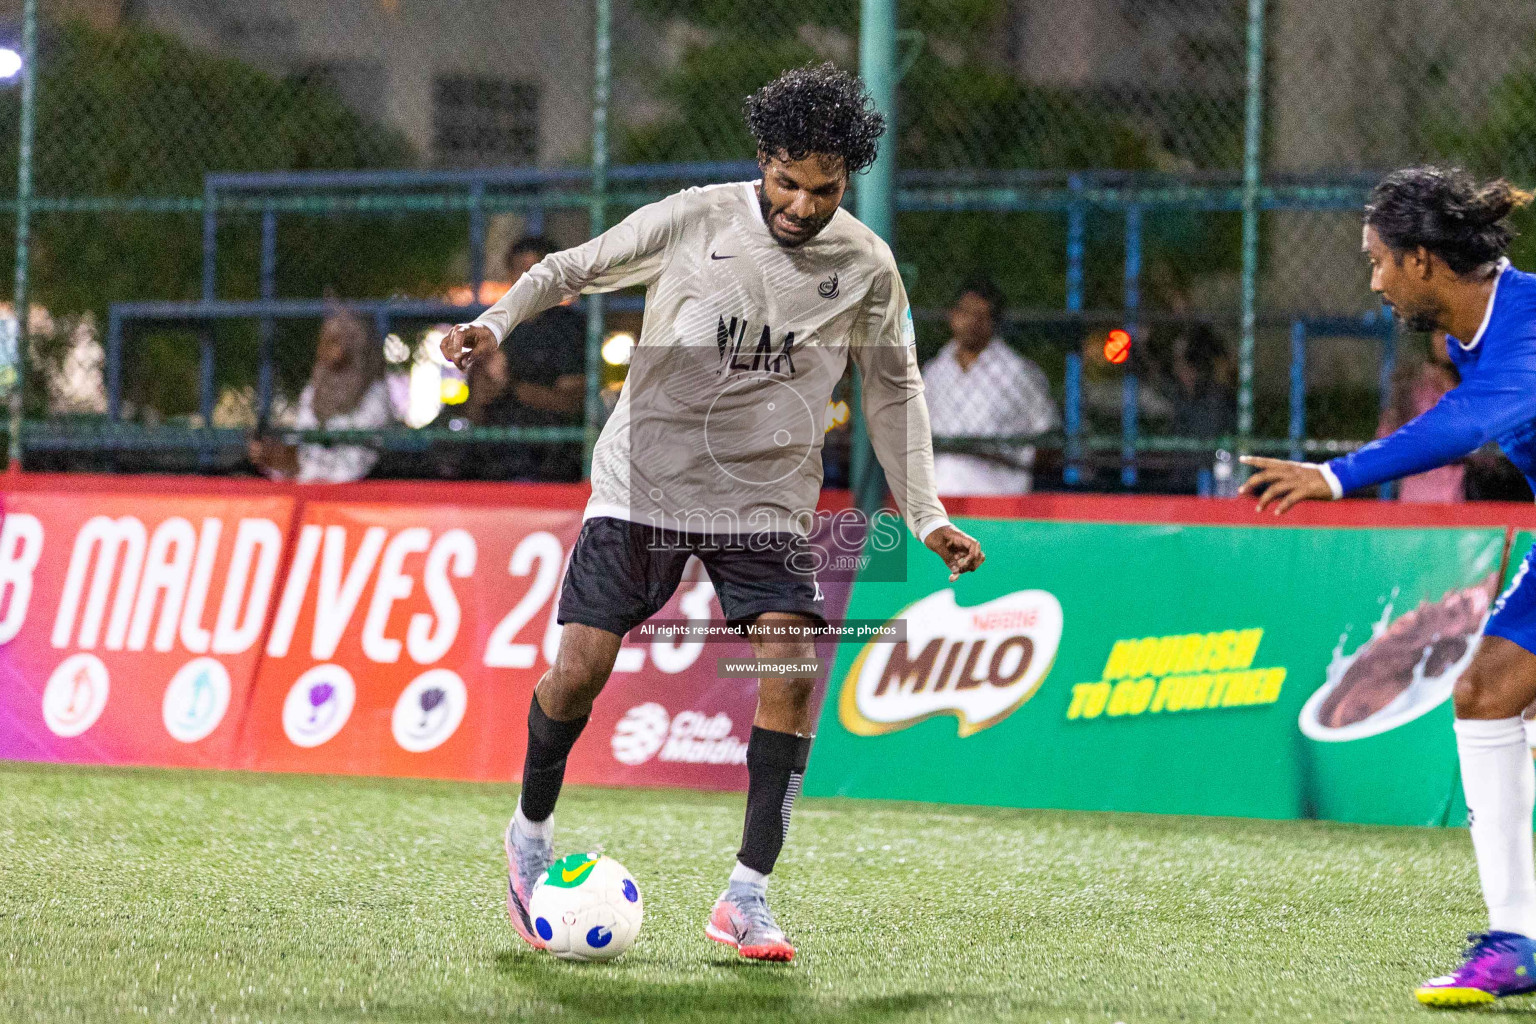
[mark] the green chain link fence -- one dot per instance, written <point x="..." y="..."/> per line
<point x="1000" y="102"/>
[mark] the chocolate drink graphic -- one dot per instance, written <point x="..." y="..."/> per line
<point x="1420" y="645"/>
<point x="1379" y="725"/>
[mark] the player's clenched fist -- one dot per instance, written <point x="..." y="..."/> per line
<point x="467" y="344"/>
<point x="961" y="552"/>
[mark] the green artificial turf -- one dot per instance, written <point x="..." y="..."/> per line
<point x="170" y="896"/>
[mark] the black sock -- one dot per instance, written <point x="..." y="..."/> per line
<point x="549" y="742"/>
<point x="775" y="767"/>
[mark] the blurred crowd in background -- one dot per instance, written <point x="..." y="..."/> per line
<point x="980" y="383"/>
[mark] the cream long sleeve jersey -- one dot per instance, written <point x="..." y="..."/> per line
<point x="722" y="417"/>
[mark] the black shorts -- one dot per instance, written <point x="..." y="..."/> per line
<point x="622" y="573"/>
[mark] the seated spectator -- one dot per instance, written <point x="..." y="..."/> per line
<point x="490" y="404"/>
<point x="1204" y="401"/>
<point x="546" y="355"/>
<point x="537" y="380"/>
<point x="978" y="387"/>
<point x="346" y="391"/>
<point x="1415" y="390"/>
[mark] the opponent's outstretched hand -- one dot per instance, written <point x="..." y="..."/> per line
<point x="960" y="551"/>
<point x="467" y="344"/>
<point x="1282" y="483"/>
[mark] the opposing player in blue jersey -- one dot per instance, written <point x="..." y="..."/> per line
<point x="1436" y="241"/>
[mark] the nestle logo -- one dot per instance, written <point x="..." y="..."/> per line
<point x="1022" y="618"/>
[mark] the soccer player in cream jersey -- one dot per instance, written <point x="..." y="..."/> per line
<point x="757" y="295"/>
<point x="1436" y="242"/>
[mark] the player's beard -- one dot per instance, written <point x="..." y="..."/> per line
<point x="1422" y="320"/>
<point x="814" y="226"/>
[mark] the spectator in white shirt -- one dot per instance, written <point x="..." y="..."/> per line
<point x="979" y="387"/>
<point x="346" y="391"/>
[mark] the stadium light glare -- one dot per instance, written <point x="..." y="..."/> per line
<point x="1117" y="347"/>
<point x="395" y="349"/>
<point x="432" y="346"/>
<point x="10" y="63"/>
<point x="426" y="393"/>
<point x="617" y="349"/>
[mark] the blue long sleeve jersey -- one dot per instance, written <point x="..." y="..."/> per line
<point x="1496" y="400"/>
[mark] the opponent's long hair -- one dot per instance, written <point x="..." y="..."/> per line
<point x="816" y="110"/>
<point x="1447" y="212"/>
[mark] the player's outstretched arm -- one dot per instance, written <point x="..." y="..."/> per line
<point x="630" y="253"/>
<point x="1282" y="483"/>
<point x="960" y="551"/>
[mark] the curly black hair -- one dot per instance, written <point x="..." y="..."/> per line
<point x="816" y="110"/>
<point x="1447" y="212"/>
<point x="987" y="290"/>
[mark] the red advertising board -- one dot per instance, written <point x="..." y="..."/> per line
<point x="367" y="630"/>
<point x="407" y="640"/>
<point x="380" y="628"/>
<point x="130" y="624"/>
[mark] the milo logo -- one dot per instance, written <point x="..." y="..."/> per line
<point x="978" y="664"/>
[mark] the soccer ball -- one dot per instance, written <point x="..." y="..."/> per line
<point x="586" y="907"/>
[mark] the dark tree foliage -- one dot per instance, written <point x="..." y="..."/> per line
<point x="133" y="113"/>
<point x="1502" y="142"/>
<point x="957" y="109"/>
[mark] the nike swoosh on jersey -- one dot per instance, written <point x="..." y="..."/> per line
<point x="717" y="256"/>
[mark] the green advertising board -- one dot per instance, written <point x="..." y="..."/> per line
<point x="1264" y="672"/>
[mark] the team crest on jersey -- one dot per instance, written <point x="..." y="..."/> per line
<point x="828" y="288"/>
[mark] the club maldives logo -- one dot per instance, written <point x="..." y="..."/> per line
<point x="978" y="664"/>
<point x="692" y="737"/>
<point x="318" y="705"/>
<point x="429" y="710"/>
<point x="76" y="695"/>
<point x="196" y="700"/>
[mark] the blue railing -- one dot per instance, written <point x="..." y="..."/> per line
<point x="479" y="192"/>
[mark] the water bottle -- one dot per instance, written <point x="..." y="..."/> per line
<point x="1224" y="476"/>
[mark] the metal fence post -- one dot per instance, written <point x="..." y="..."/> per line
<point x="1298" y="388"/>
<point x="205" y="335"/>
<point x="1388" y="490"/>
<point x="1253" y="124"/>
<point x="264" y="368"/>
<point x="23" y="220"/>
<point x="600" y="94"/>
<point x="477" y="237"/>
<point x="1130" y="396"/>
<point x="1072" y="397"/>
<point x="114" y="364"/>
<point x="876" y="203"/>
